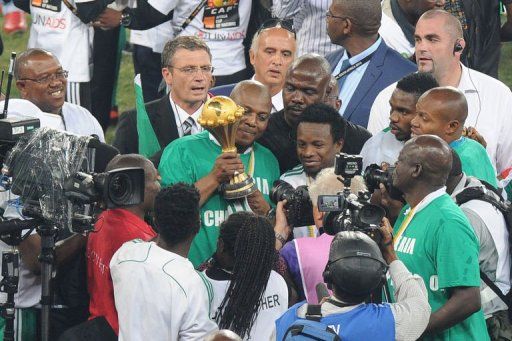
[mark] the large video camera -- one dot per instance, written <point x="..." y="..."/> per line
<point x="346" y="211"/>
<point x="54" y="175"/>
<point x="298" y="204"/>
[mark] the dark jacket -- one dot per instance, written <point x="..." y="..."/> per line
<point x="160" y="115"/>
<point x="280" y="139"/>
<point x="386" y="67"/>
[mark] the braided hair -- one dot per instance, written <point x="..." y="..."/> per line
<point x="254" y="257"/>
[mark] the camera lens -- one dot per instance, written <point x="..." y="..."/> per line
<point x="120" y="188"/>
<point x="280" y="191"/>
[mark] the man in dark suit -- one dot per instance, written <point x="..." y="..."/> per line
<point x="186" y="68"/>
<point x="365" y="65"/>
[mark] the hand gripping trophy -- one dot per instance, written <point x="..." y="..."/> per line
<point x="221" y="116"/>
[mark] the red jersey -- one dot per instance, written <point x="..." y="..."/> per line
<point x="113" y="228"/>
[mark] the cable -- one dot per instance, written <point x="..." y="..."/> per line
<point x="478" y="96"/>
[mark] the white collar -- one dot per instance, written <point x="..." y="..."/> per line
<point x="466" y="83"/>
<point x="182" y="115"/>
<point x="214" y="140"/>
<point x="277" y="99"/>
<point x="428" y="199"/>
<point x="277" y="102"/>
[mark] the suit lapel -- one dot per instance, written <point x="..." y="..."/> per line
<point x="371" y="75"/>
<point x="164" y="122"/>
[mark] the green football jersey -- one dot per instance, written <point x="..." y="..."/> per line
<point x="440" y="246"/>
<point x="475" y="160"/>
<point x="191" y="158"/>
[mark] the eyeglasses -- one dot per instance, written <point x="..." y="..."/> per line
<point x="329" y="14"/>
<point x="60" y="75"/>
<point x="192" y="70"/>
<point x="286" y="24"/>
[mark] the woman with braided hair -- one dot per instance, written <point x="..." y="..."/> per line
<point x="248" y="296"/>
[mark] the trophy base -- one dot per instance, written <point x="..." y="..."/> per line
<point x="239" y="187"/>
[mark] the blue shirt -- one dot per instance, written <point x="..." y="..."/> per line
<point x="365" y="322"/>
<point x="352" y="79"/>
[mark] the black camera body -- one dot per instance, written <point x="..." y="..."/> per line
<point x="346" y="211"/>
<point x="117" y="188"/>
<point x="298" y="204"/>
<point x="374" y="175"/>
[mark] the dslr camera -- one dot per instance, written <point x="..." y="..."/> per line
<point x="346" y="211"/>
<point x="299" y="208"/>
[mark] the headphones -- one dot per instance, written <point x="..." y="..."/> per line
<point x="457" y="47"/>
<point x="328" y="276"/>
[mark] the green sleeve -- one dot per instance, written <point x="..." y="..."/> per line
<point x="176" y="166"/>
<point x="456" y="254"/>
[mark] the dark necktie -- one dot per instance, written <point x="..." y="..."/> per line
<point x="187" y="126"/>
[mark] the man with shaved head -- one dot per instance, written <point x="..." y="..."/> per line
<point x="434" y="239"/>
<point x="442" y="111"/>
<point x="365" y="65"/>
<point x="399" y="17"/>
<point x="306" y="82"/>
<point x="439" y="45"/>
<point x="198" y="160"/>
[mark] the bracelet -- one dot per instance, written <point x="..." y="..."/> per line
<point x="281" y="238"/>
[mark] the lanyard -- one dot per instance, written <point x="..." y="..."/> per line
<point x="351" y="68"/>
<point x="404" y="225"/>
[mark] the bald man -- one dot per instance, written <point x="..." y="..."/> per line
<point x="443" y="111"/>
<point x="198" y="160"/>
<point x="434" y="240"/>
<point x="439" y="45"/>
<point x="365" y="64"/>
<point x="306" y="82"/>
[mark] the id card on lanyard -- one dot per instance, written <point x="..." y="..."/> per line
<point x="221" y="14"/>
<point x="51" y="5"/>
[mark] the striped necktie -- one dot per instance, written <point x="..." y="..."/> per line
<point x="187" y="126"/>
<point x="344" y="65"/>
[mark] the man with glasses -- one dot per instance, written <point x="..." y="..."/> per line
<point x="187" y="70"/>
<point x="365" y="65"/>
<point x="272" y="51"/>
<point x="41" y="80"/>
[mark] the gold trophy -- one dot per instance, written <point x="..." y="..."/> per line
<point x="221" y="116"/>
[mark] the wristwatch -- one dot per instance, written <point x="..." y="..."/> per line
<point x="126" y="18"/>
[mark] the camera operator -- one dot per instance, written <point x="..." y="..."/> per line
<point x="305" y="258"/>
<point x="113" y="228"/>
<point x="354" y="269"/>
<point x="435" y="240"/>
<point x="320" y="136"/>
<point x="491" y="230"/>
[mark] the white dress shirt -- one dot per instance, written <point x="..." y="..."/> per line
<point x="180" y="115"/>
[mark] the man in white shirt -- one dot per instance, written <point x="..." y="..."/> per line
<point x="384" y="146"/>
<point x="158" y="294"/>
<point x="272" y="51"/>
<point x="187" y="69"/>
<point x="398" y="20"/>
<point x="56" y="28"/>
<point x="439" y="45"/>
<point x="41" y="80"/>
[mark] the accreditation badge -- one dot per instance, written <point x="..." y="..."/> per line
<point x="221" y="14"/>
<point x="51" y="5"/>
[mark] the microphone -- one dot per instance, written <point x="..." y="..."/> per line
<point x="102" y="154"/>
<point x="321" y="291"/>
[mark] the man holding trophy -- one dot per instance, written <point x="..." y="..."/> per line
<point x="231" y="171"/>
